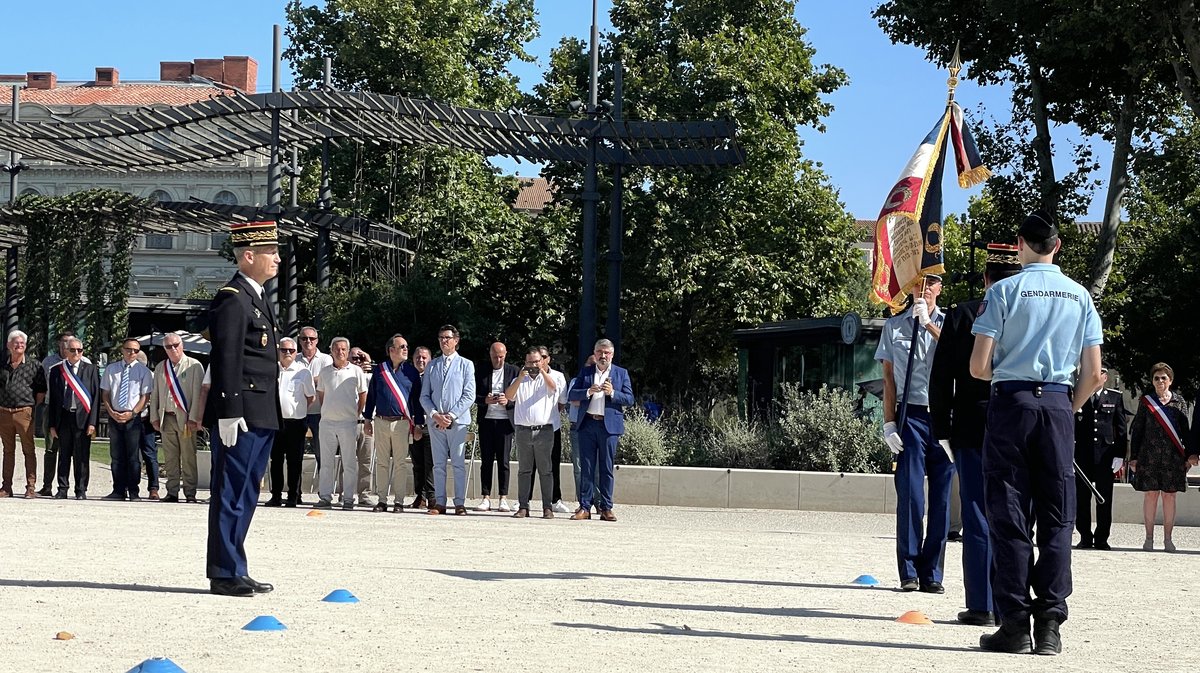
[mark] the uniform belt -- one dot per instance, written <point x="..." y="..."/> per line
<point x="1037" y="387"/>
<point x="919" y="407"/>
<point x="534" y="428"/>
<point x="598" y="417"/>
<point x="390" y="418"/>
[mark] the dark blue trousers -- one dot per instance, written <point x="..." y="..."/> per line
<point x="149" y="451"/>
<point x="977" y="548"/>
<point x="237" y="474"/>
<point x="597" y="453"/>
<point x="1028" y="478"/>
<point x="921" y="550"/>
<point x="125" y="449"/>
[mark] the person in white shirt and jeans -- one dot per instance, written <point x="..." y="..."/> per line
<point x="535" y="393"/>
<point x="342" y="390"/>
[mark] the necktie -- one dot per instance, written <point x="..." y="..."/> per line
<point x="123" y="394"/>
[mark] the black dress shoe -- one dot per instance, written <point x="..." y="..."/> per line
<point x="45" y="492"/>
<point x="976" y="618"/>
<point x="933" y="588"/>
<point x="81" y="496"/>
<point x="256" y="587"/>
<point x="1102" y="546"/>
<point x="275" y="501"/>
<point x="1046" y="640"/>
<point x="954" y="536"/>
<point x="291" y="502"/>
<point x="113" y="496"/>
<point x="170" y="498"/>
<point x="1084" y="544"/>
<point x="1011" y="639"/>
<point x="61" y="495"/>
<point x="229" y="586"/>
<point x="910" y="584"/>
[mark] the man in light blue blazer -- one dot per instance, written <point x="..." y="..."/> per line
<point x="603" y="391"/>
<point x="447" y="394"/>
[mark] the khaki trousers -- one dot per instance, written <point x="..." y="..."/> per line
<point x="13" y="423"/>
<point x="179" y="455"/>
<point x="392" y="439"/>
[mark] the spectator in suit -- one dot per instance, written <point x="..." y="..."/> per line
<point x="296" y="393"/>
<point x="603" y="391"/>
<point x="420" y="450"/>
<point x="495" y="425"/>
<point x="1101" y="439"/>
<point x="73" y="412"/>
<point x="447" y="392"/>
<point x="394" y="394"/>
<point x="175" y="415"/>
<point x="126" y="387"/>
<point x="51" y="456"/>
<point x="342" y="387"/>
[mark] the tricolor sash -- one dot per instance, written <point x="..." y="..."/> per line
<point x="175" y="388"/>
<point x="1160" y="413"/>
<point x="390" y="380"/>
<point x="77" y="387"/>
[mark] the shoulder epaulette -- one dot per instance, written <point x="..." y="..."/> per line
<point x="229" y="288"/>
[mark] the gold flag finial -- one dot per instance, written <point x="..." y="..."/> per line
<point x="955" y="68"/>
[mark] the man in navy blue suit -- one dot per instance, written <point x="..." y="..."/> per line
<point x="74" y="410"/>
<point x="603" y="391"/>
<point x="243" y="403"/>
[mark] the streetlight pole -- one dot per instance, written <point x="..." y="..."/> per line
<point x="587" y="308"/>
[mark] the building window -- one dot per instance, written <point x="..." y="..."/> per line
<point x="159" y="195"/>
<point x="225" y="198"/>
<point x="30" y="191"/>
<point x="160" y="241"/>
<point x="218" y="240"/>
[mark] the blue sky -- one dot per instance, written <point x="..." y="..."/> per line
<point x="893" y="98"/>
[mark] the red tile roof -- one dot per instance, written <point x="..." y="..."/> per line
<point x="535" y="194"/>
<point x="136" y="94"/>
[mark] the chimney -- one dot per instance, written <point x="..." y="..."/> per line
<point x="241" y="72"/>
<point x="42" y="80"/>
<point x="107" y="77"/>
<point x="175" y="71"/>
<point x="211" y="68"/>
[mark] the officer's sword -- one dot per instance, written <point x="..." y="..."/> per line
<point x="1083" y="477"/>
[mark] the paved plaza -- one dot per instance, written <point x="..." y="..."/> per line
<point x="663" y="589"/>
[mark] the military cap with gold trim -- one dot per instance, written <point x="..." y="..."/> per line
<point x="1003" y="257"/>
<point x="253" y="234"/>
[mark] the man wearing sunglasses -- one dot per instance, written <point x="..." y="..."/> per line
<point x="51" y="455"/>
<point x="73" y="412"/>
<point x="175" y="414"/>
<point x="296" y="392"/>
<point x="311" y="357"/>
<point x="126" y="387"/>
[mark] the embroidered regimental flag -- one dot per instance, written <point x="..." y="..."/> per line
<point x="908" y="231"/>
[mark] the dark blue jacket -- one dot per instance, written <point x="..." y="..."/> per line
<point x="614" y="407"/>
<point x="380" y="398"/>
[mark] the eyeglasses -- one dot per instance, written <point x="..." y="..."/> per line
<point x="446" y="337"/>
<point x="132" y="350"/>
<point x="172" y="346"/>
<point x="304" y="338"/>
<point x="1162" y="378"/>
<point x="287" y="350"/>
<point x="402" y="347"/>
<point x="74" y="350"/>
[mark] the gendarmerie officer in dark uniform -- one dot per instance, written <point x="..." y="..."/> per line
<point x="958" y="411"/>
<point x="1101" y="439"/>
<point x="242" y="411"/>
<point x="1033" y="332"/>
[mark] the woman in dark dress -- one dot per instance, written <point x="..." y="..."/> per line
<point x="1159" y="453"/>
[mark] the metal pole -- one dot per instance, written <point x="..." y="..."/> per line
<point x="326" y="196"/>
<point x="587" y="307"/>
<point x="616" y="228"/>
<point x="12" y="296"/>
<point x="274" y="183"/>
<point x="971" y="274"/>
<point x="292" y="278"/>
<point x="295" y="201"/>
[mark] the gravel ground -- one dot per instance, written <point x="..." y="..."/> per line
<point x="663" y="589"/>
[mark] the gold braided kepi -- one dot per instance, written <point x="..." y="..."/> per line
<point x="252" y="234"/>
<point x="1003" y="255"/>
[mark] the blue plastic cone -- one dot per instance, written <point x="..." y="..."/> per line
<point x="264" y="623"/>
<point x="156" y="665"/>
<point x="866" y="580"/>
<point x="340" y="596"/>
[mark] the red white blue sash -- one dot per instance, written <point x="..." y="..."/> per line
<point x="77" y="387"/>
<point x="390" y="380"/>
<point x="1160" y="413"/>
<point x="175" y="388"/>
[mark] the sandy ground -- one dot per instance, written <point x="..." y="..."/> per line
<point x="661" y="590"/>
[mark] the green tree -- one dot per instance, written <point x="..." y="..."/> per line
<point x="710" y="251"/>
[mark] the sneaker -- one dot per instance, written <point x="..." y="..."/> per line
<point x="485" y="506"/>
<point x="504" y="506"/>
<point x="1168" y="546"/>
<point x="560" y="507"/>
<point x="323" y="504"/>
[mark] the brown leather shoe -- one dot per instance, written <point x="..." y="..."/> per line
<point x="580" y="515"/>
<point x="153" y="494"/>
<point x="460" y="511"/>
<point x="5" y="493"/>
<point x="521" y="514"/>
<point x="31" y="493"/>
<point x="547" y="513"/>
<point x="607" y="515"/>
<point x="434" y="510"/>
<point x="418" y="503"/>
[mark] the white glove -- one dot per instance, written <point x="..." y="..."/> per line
<point x="1118" y="463"/>
<point x="946" y="447"/>
<point x="891" y="437"/>
<point x="921" y="311"/>
<point x="228" y="428"/>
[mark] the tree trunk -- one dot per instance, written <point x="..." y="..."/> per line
<point x="1118" y="181"/>
<point x="1041" y="142"/>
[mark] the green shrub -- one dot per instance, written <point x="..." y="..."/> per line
<point x="818" y="431"/>
<point x="736" y="443"/>
<point x="643" y="442"/>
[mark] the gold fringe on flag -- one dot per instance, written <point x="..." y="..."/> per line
<point x="973" y="177"/>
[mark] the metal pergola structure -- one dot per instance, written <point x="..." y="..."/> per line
<point x="231" y="127"/>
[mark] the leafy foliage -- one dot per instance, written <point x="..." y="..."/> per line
<point x="818" y="431"/>
<point x="643" y="442"/>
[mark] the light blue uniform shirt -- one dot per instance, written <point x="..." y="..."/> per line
<point x="893" y="348"/>
<point x="1041" y="322"/>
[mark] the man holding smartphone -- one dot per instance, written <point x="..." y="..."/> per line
<point x="495" y="425"/>
<point x="535" y="395"/>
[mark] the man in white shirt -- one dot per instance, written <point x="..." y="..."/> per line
<point x="342" y="390"/>
<point x="175" y="414"/>
<point x="296" y="392"/>
<point x="535" y="394"/>
<point x="560" y="380"/>
<point x="126" y="386"/>
<point x="315" y="361"/>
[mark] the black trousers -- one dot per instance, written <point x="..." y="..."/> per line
<point x="1101" y="475"/>
<point x="50" y="464"/>
<point x="495" y="445"/>
<point x="288" y="447"/>
<point x="421" y="453"/>
<point x="74" y="449"/>
<point x="555" y="461"/>
<point x="125" y="450"/>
